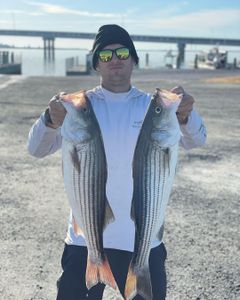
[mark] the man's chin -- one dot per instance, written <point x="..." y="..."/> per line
<point x="116" y="73"/>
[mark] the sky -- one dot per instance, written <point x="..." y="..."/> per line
<point x="193" y="18"/>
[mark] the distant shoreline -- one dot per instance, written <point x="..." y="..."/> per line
<point x="39" y="48"/>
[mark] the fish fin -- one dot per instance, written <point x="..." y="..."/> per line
<point x="138" y="283"/>
<point x="170" y="158"/>
<point x="102" y="272"/>
<point x="132" y="210"/>
<point x="76" y="228"/>
<point x="109" y="216"/>
<point x="75" y="159"/>
<point x="160" y="233"/>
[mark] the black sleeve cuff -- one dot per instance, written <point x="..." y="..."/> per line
<point x="47" y="117"/>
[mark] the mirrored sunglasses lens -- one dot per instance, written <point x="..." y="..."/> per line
<point x="122" y="53"/>
<point x="105" y="55"/>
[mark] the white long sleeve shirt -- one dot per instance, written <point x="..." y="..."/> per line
<point x="120" y="116"/>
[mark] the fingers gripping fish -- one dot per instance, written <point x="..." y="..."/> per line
<point x="154" y="165"/>
<point x="85" y="176"/>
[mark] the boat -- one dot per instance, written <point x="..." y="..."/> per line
<point x="213" y="59"/>
<point x="170" y="60"/>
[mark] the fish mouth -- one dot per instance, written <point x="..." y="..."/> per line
<point x="77" y="99"/>
<point x="166" y="97"/>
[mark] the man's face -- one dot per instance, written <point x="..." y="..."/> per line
<point x="115" y="69"/>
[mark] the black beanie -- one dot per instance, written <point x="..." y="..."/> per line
<point x="112" y="34"/>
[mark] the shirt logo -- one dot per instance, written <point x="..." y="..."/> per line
<point x="137" y="124"/>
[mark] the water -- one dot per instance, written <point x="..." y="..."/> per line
<point x="34" y="64"/>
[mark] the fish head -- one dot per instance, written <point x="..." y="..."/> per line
<point x="164" y="105"/>
<point x="78" y="108"/>
<point x="77" y="125"/>
<point x="164" y="128"/>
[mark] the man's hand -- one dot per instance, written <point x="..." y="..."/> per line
<point x="185" y="106"/>
<point x="55" y="112"/>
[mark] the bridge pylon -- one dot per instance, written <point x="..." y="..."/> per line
<point x="49" y="48"/>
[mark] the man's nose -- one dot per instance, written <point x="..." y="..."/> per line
<point x="114" y="56"/>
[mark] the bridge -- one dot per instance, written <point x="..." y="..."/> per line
<point x="50" y="36"/>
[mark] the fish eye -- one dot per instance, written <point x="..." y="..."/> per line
<point x="85" y="110"/>
<point x="157" y="109"/>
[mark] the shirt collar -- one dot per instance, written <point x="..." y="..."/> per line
<point x="100" y="92"/>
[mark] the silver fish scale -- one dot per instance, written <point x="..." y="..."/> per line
<point x="90" y="195"/>
<point x="150" y="173"/>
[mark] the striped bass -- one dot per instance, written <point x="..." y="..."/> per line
<point x="85" y="176"/>
<point x="154" y="165"/>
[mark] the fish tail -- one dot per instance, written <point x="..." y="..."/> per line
<point x="99" y="272"/>
<point x="138" y="283"/>
<point x="131" y="284"/>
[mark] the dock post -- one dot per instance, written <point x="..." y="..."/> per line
<point x="5" y="57"/>
<point x="147" y="60"/>
<point x="181" y="54"/>
<point x="196" y="62"/>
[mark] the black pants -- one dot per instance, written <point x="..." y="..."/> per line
<point x="71" y="285"/>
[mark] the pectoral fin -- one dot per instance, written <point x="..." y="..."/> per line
<point x="160" y="233"/>
<point x="75" y="159"/>
<point x="132" y="210"/>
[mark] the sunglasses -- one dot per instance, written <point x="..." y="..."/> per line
<point x="106" y="55"/>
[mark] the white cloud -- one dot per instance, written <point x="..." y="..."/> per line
<point x="56" y="9"/>
<point x="200" y="21"/>
<point x="224" y="23"/>
<point x="21" y="12"/>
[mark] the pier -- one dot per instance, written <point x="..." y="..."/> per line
<point x="9" y="64"/>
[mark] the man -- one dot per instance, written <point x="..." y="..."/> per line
<point x="120" y="109"/>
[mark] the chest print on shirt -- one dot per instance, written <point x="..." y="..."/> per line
<point x="137" y="124"/>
